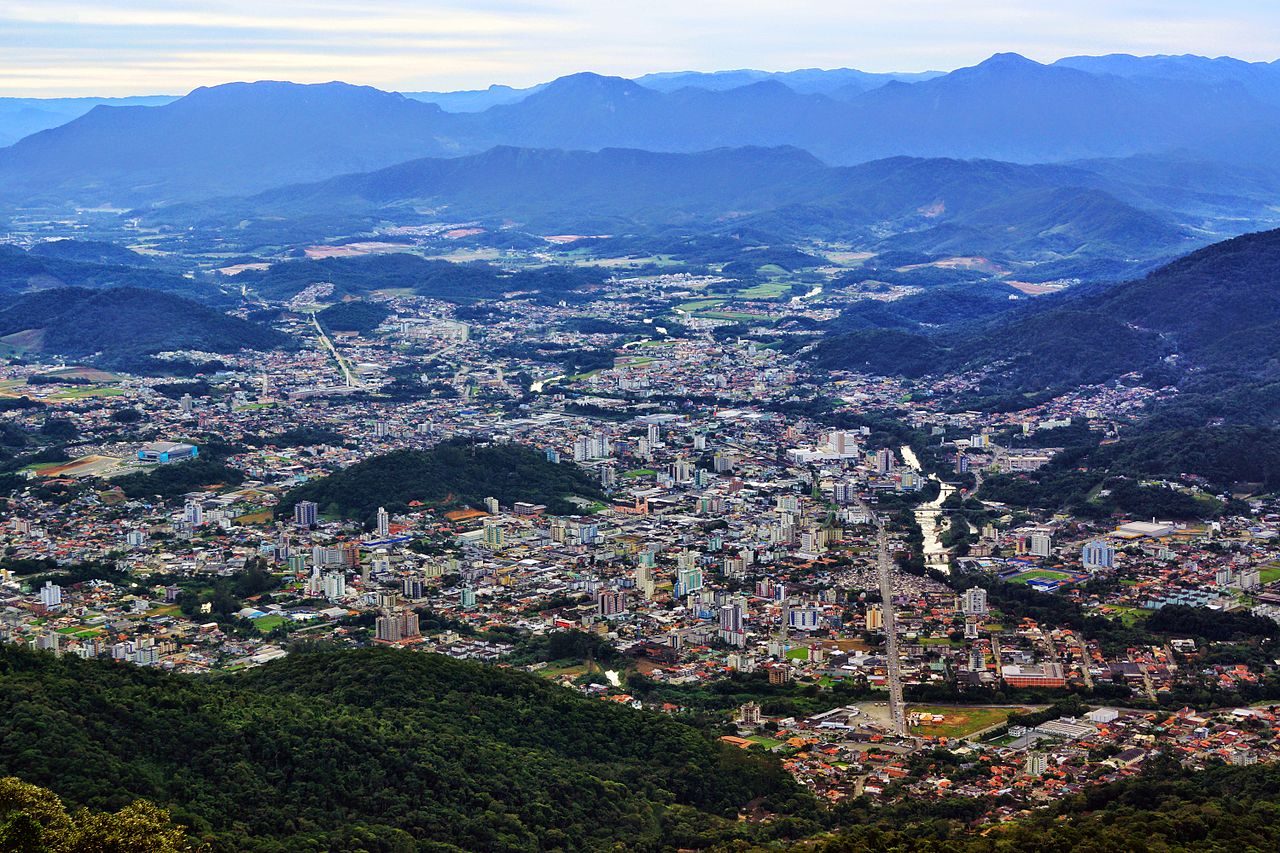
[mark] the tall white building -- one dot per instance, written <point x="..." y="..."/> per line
<point x="335" y="585"/>
<point x="975" y="601"/>
<point x="384" y="523"/>
<point x="50" y="594"/>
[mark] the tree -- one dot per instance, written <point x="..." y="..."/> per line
<point x="34" y="820"/>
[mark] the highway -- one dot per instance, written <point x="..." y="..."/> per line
<point x="348" y="376"/>
<point x="893" y="656"/>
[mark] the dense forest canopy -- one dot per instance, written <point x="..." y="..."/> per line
<point x="451" y="474"/>
<point x="371" y="749"/>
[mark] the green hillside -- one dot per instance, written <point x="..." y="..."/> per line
<point x="452" y="474"/>
<point x="1209" y="322"/>
<point x="354" y="316"/>
<point x="122" y="326"/>
<point x="377" y="750"/>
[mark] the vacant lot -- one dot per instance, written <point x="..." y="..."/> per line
<point x="960" y="721"/>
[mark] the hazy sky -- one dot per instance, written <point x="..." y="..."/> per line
<point x="115" y="47"/>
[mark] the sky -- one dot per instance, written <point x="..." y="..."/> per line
<point x="56" y="48"/>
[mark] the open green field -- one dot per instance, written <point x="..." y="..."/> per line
<point x="960" y="721"/>
<point x="735" y="316"/>
<point x="699" y="305"/>
<point x="1270" y="573"/>
<point x="89" y="374"/>
<point x="639" y="472"/>
<point x="1129" y="616"/>
<point x="1040" y="575"/>
<point x="87" y="392"/>
<point x="798" y="653"/>
<point x="270" y="623"/>
<point x="555" y="671"/>
<point x="766" y="742"/>
<point x="37" y="467"/>
<point x="81" y="633"/>
<point x="765" y="290"/>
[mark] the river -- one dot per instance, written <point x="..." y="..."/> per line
<point x="929" y="517"/>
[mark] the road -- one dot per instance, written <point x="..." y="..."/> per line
<point x="347" y="374"/>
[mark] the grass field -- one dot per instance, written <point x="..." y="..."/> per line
<point x="766" y="742"/>
<point x="260" y="517"/>
<point x="80" y="633"/>
<point x="699" y="305"/>
<point x="89" y="374"/>
<point x="1129" y="616"/>
<point x="798" y="653"/>
<point x="270" y="623"/>
<point x="1040" y="575"/>
<point x="639" y="472"/>
<point x="555" y="671"/>
<point x="959" y="721"/>
<point x="736" y="316"/>
<point x="86" y="392"/>
<point x="1270" y="573"/>
<point x="765" y="290"/>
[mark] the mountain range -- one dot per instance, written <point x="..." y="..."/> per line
<point x="1207" y="323"/>
<point x="245" y="137"/>
<point x="1042" y="213"/>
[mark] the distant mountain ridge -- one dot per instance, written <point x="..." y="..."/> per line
<point x="247" y="137"/>
<point x="1209" y="322"/>
<point x="938" y="206"/>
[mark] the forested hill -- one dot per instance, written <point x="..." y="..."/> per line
<point x="1209" y="321"/>
<point x="433" y="279"/>
<point x="379" y="750"/>
<point x="451" y="474"/>
<point x="123" y="326"/>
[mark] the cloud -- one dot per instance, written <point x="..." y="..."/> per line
<point x="112" y="47"/>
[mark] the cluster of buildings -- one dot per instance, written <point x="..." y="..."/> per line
<point x="734" y="539"/>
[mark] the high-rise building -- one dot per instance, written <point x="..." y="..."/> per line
<point x="644" y="580"/>
<point x="1036" y="764"/>
<point x="395" y="627"/>
<point x="1039" y="543"/>
<point x="874" y="617"/>
<point x="844" y="493"/>
<point x="732" y="624"/>
<point x="688" y="580"/>
<point x="50" y="594"/>
<point x="384" y="523"/>
<point x="193" y="513"/>
<point x="1098" y="554"/>
<point x="806" y="618"/>
<point x="495" y="536"/>
<point x="305" y="513"/>
<point x="334" y="585"/>
<point x="491" y="505"/>
<point x="975" y="601"/>
<point x="610" y="602"/>
<point x="594" y="446"/>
